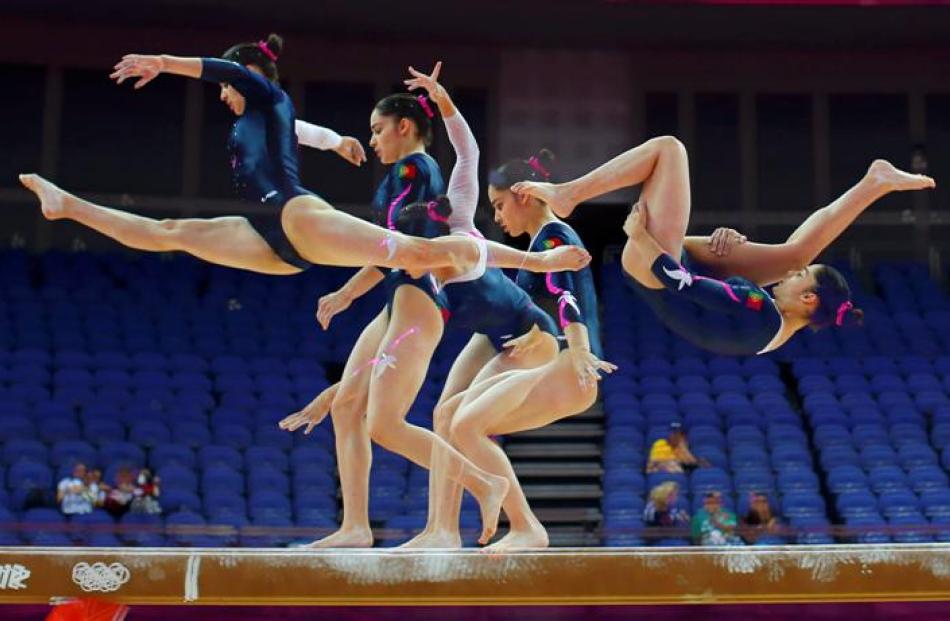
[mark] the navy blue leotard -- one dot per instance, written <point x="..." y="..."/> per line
<point x="493" y="305"/>
<point x="568" y="297"/>
<point x="414" y="178"/>
<point x="263" y="150"/>
<point x="732" y="317"/>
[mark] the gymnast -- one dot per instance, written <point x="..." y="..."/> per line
<point x="679" y="276"/>
<point x="570" y="299"/>
<point x="294" y="228"/>
<point x="480" y="299"/>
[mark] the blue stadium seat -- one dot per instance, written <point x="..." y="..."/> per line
<point x="846" y="478"/>
<point x="164" y="455"/>
<point x="924" y="478"/>
<point x="24" y="450"/>
<point x="70" y="451"/>
<point x="856" y="502"/>
<point x="869" y="528"/>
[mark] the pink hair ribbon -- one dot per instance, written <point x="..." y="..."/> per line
<point x="431" y="207"/>
<point x="842" y="311"/>
<point x="262" y="45"/>
<point x="538" y="167"/>
<point x="424" y="102"/>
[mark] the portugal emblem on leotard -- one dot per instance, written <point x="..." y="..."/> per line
<point x="407" y="171"/>
<point x="754" y="301"/>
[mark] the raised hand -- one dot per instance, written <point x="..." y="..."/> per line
<point x="146" y="68"/>
<point x="429" y="82"/>
<point x="351" y="150"/>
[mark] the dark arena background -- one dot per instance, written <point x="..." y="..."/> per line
<point x="157" y="364"/>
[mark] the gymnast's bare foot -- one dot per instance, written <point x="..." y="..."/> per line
<point x="52" y="199"/>
<point x="893" y="179"/>
<point x="553" y="195"/>
<point x="439" y="539"/>
<point x="532" y="538"/>
<point x="489" y="502"/>
<point x="349" y="538"/>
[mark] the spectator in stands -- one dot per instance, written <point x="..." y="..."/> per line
<point x="96" y="488"/>
<point x="71" y="493"/>
<point x="145" y="494"/>
<point x="714" y="525"/>
<point x="672" y="454"/>
<point x="661" y="510"/>
<point x="120" y="495"/>
<point x="758" y="521"/>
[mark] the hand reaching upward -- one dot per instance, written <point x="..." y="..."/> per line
<point x="430" y="82"/>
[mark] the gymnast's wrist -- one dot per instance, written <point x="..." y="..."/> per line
<point x="345" y="294"/>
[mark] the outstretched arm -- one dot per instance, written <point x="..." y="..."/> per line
<point x="560" y="259"/>
<point x="463" y="183"/>
<point x="251" y="85"/>
<point x="325" y="139"/>
<point x="462" y="251"/>
<point x="147" y="67"/>
<point x="316" y="137"/>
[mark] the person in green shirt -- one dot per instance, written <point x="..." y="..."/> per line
<point x="714" y="525"/>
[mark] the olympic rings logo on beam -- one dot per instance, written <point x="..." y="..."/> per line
<point x="100" y="577"/>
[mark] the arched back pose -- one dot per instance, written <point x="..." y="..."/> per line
<point x="501" y="397"/>
<point x="295" y="228"/>
<point x="668" y="270"/>
<point x="413" y="331"/>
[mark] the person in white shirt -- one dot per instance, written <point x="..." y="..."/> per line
<point x="71" y="493"/>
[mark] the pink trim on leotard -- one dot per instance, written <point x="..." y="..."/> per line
<point x="565" y="299"/>
<point x="725" y="285"/>
<point x="386" y="359"/>
<point x="392" y="207"/>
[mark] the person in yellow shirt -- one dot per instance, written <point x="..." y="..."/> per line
<point x="672" y="454"/>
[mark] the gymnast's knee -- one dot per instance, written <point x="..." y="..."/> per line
<point x="464" y="429"/>
<point x="384" y="432"/>
<point x="345" y="411"/>
<point x="670" y="146"/>
<point x="301" y="208"/>
<point x="442" y="417"/>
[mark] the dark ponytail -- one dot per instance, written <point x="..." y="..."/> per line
<point x="835" y="307"/>
<point x="426" y="219"/>
<point x="263" y="54"/>
<point x="536" y="168"/>
<point x="416" y="108"/>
